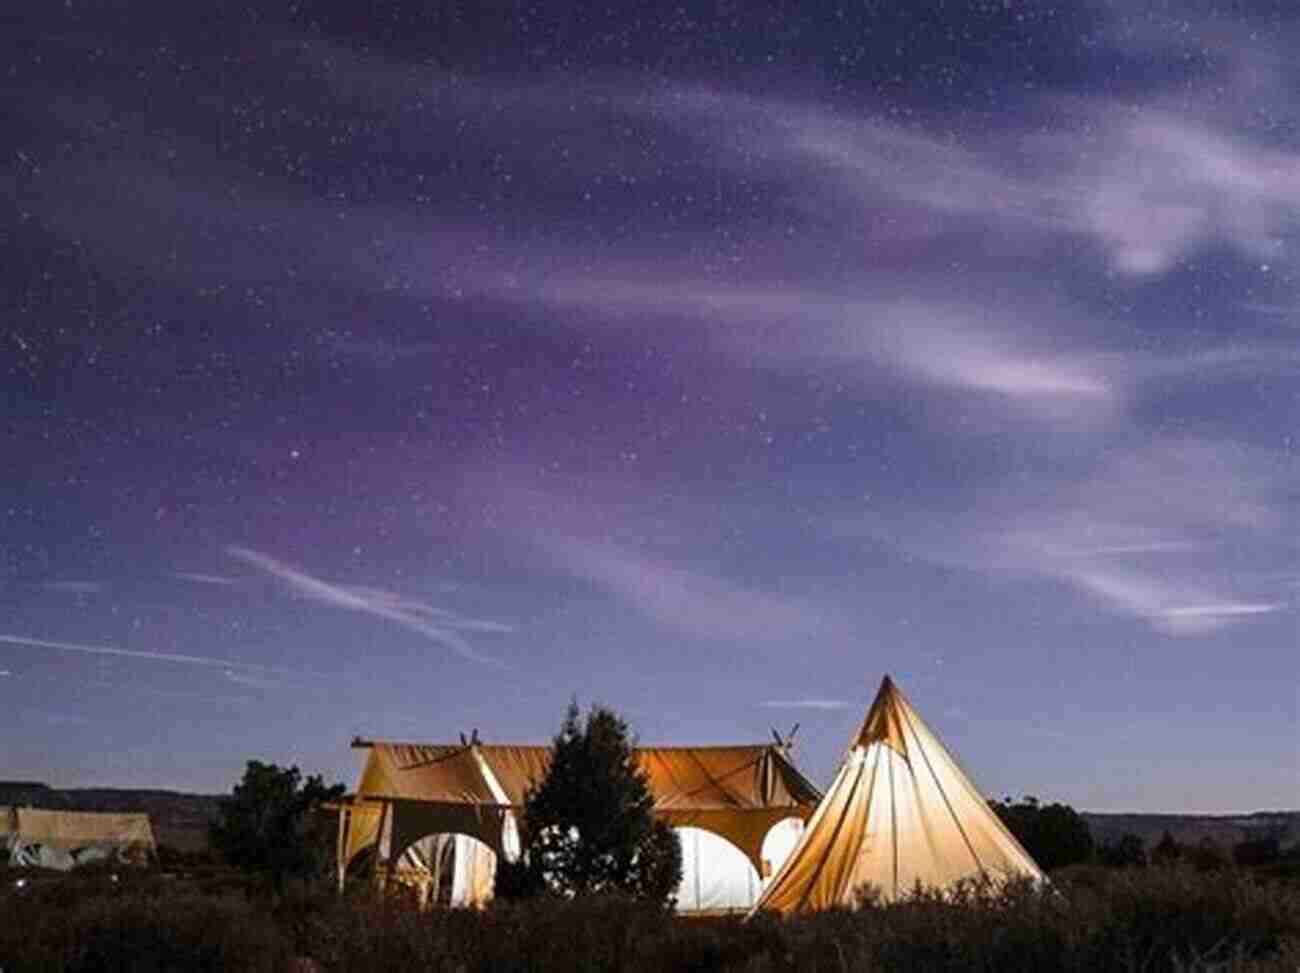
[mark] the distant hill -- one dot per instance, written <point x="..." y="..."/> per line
<point x="1225" y="830"/>
<point x="180" y="821"/>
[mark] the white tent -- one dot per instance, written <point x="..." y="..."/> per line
<point x="900" y="813"/>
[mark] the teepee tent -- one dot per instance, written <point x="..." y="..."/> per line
<point x="900" y="813"/>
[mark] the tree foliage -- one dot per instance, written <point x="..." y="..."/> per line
<point x="269" y="823"/>
<point x="1127" y="849"/>
<point x="1053" y="834"/>
<point x="587" y="826"/>
<point x="1167" y="851"/>
<point x="1208" y="855"/>
<point x="1263" y="849"/>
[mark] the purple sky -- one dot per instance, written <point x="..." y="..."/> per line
<point x="408" y="375"/>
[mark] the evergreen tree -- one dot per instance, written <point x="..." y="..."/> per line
<point x="269" y="824"/>
<point x="1167" y="851"/>
<point x="587" y="827"/>
<point x="1053" y="834"/>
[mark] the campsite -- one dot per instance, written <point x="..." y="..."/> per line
<point x="901" y="864"/>
<point x="650" y="485"/>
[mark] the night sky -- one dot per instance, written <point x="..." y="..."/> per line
<point x="400" y="369"/>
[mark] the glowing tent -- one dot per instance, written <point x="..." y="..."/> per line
<point x="733" y="807"/>
<point x="900" y="813"/>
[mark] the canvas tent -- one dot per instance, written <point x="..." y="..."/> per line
<point x="65" y="839"/>
<point x="900" y="812"/>
<point x="732" y="804"/>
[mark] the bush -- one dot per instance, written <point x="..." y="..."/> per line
<point x="1125" y="850"/>
<point x="1166" y="920"/>
<point x="74" y="926"/>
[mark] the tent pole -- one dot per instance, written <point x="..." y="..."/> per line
<point x="341" y="845"/>
<point x="384" y="847"/>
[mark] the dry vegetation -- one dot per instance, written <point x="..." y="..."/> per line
<point x="1152" y="919"/>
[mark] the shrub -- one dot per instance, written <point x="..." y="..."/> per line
<point x="1166" y="920"/>
<point x="1125" y="850"/>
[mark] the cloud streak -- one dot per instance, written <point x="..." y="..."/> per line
<point x="814" y="704"/>
<point x="686" y="601"/>
<point x="434" y="624"/>
<point x="75" y="587"/>
<point x="1145" y="534"/>
<point x="108" y="650"/>
<point x="200" y="578"/>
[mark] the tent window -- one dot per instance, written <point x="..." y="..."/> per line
<point x="716" y="875"/>
<point x="452" y="870"/>
<point x="778" y="843"/>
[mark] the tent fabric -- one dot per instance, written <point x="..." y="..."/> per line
<point x="407" y="791"/>
<point x="65" y="839"/>
<point x="716" y="876"/>
<point x="900" y="813"/>
<point x="8" y="829"/>
<point x="72" y="829"/>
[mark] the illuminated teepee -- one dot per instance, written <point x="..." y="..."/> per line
<point x="900" y="813"/>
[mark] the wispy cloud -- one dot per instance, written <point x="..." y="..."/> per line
<point x="1158" y="532"/>
<point x="433" y="623"/>
<point x="685" y="600"/>
<point x="1169" y="184"/>
<point x="200" y="578"/>
<point x="75" y="587"/>
<point x="253" y="681"/>
<point x="109" y="650"/>
<point x="928" y="340"/>
<point x="63" y="718"/>
<point x="1173" y="606"/>
<point x="818" y="704"/>
<point x="1131" y="533"/>
<point x="1153" y="186"/>
<point x="136" y="689"/>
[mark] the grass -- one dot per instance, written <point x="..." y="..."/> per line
<point x="1154" y="919"/>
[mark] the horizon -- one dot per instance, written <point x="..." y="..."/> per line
<point x="404" y="372"/>
<point x="1256" y="812"/>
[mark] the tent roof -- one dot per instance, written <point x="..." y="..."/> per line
<point x="72" y="829"/>
<point x="901" y="812"/>
<point x="682" y="779"/>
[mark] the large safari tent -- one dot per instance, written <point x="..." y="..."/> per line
<point x="437" y="816"/>
<point x="755" y="833"/>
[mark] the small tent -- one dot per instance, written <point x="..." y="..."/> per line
<point x="65" y="839"/>
<point x="900" y="813"/>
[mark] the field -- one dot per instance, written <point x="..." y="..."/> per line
<point x="1151" y="919"/>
